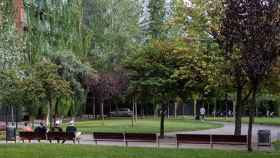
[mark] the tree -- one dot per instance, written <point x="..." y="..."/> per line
<point x="54" y="26"/>
<point x="204" y="54"/>
<point x="71" y="69"/>
<point x="105" y="86"/>
<point x="203" y="22"/>
<point x="252" y="28"/>
<point x="167" y="70"/>
<point x="12" y="45"/>
<point x="156" y="18"/>
<point x="114" y="24"/>
<point x="52" y="85"/>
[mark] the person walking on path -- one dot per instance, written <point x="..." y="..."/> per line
<point x="202" y="113"/>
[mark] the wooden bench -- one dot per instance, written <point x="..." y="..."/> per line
<point x="210" y="139"/>
<point x="112" y="137"/>
<point x="192" y="139"/>
<point x="31" y="136"/>
<point x="62" y="136"/>
<point x="141" y="137"/>
<point x="229" y="139"/>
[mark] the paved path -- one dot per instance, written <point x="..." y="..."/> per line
<point x="228" y="128"/>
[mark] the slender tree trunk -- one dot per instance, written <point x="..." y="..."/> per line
<point x="49" y="117"/>
<point x="194" y="107"/>
<point x="102" y="112"/>
<point x="162" y="117"/>
<point x="55" y="111"/>
<point x="93" y="107"/>
<point x="154" y="107"/>
<point x="238" y="112"/>
<point x="136" y="111"/>
<point x="168" y="111"/>
<point x="133" y="110"/>
<point x="175" y="109"/>
<point x="215" y="108"/>
<point x="251" y="119"/>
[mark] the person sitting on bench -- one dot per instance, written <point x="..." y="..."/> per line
<point x="56" y="127"/>
<point x="27" y="128"/>
<point x="42" y="129"/>
<point x="72" y="129"/>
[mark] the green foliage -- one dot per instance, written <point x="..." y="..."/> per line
<point x="156" y="18"/>
<point x="12" y="44"/>
<point x="32" y="86"/>
<point x="173" y="68"/>
<point x="53" y="26"/>
<point x="114" y="24"/>
<point x="75" y="72"/>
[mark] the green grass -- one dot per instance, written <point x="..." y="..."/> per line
<point x="88" y="151"/>
<point x="143" y="125"/>
<point x="2" y="135"/>
<point x="277" y="146"/>
<point x="258" y="120"/>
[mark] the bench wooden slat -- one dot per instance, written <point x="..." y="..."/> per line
<point x="31" y="136"/>
<point x="193" y="138"/>
<point x="140" y="137"/>
<point x="210" y="139"/>
<point x="229" y="139"/>
<point x="61" y="136"/>
<point x="100" y="136"/>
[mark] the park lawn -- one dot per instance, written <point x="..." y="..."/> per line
<point x="2" y="135"/>
<point x="90" y="151"/>
<point x="258" y="120"/>
<point x="143" y="125"/>
<point x="277" y="146"/>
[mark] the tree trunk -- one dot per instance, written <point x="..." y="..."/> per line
<point x="19" y="14"/>
<point x="168" y="111"/>
<point x="136" y="111"/>
<point x="175" y="109"/>
<point x="238" y="112"/>
<point x="251" y="119"/>
<point x="49" y="117"/>
<point x="162" y="117"/>
<point x="94" y="107"/>
<point x="215" y="108"/>
<point x="102" y="112"/>
<point x="133" y="111"/>
<point x="55" y="111"/>
<point x="194" y="107"/>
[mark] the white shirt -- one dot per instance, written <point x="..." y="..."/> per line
<point x="202" y="111"/>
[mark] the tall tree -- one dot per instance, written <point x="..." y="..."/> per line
<point x="54" y="26"/>
<point x="252" y="28"/>
<point x="52" y="85"/>
<point x="114" y="24"/>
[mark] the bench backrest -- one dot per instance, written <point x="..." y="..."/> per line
<point x="108" y="136"/>
<point x="32" y="135"/>
<point x="229" y="139"/>
<point x="141" y="137"/>
<point x="60" y="135"/>
<point x="199" y="138"/>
